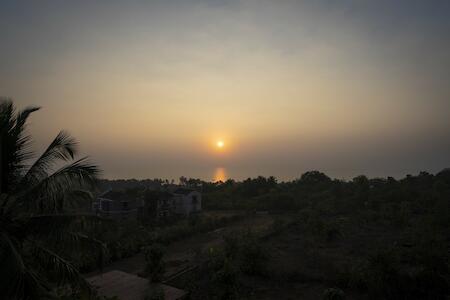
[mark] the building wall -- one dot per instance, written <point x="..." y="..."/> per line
<point x="187" y="204"/>
<point x="179" y="204"/>
<point x="116" y="209"/>
<point x="196" y="203"/>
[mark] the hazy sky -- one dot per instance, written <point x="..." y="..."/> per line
<point x="148" y="87"/>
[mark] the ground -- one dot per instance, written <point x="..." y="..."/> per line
<point x="187" y="252"/>
<point x="306" y="256"/>
<point x="126" y="286"/>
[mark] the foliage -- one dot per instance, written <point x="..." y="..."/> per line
<point x="253" y="255"/>
<point x="155" y="292"/>
<point x="224" y="274"/>
<point x="383" y="275"/>
<point x="154" y="262"/>
<point x="406" y="215"/>
<point x="333" y="294"/>
<point x="38" y="235"/>
<point x="241" y="255"/>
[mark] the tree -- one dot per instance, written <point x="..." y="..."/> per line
<point x="155" y="265"/>
<point x="314" y="177"/>
<point x="37" y="234"/>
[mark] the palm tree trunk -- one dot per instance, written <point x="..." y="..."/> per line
<point x="1" y="162"/>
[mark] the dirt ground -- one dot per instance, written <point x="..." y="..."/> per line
<point x="187" y="252"/>
<point x="303" y="261"/>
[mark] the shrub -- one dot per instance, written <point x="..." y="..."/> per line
<point x="232" y="244"/>
<point x="332" y="231"/>
<point x="277" y="226"/>
<point x="155" y="266"/>
<point x="253" y="256"/>
<point x="224" y="275"/>
<point x="333" y="294"/>
<point x="155" y="292"/>
<point x="227" y="279"/>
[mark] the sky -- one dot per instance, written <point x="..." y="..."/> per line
<point x="148" y="87"/>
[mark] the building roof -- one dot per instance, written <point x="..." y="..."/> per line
<point x="127" y="286"/>
<point x="120" y="195"/>
<point x="183" y="191"/>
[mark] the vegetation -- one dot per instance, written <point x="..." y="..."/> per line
<point x="155" y="265"/>
<point x="367" y="238"/>
<point x="226" y="267"/>
<point x="155" y="293"/>
<point x="378" y="238"/>
<point x="38" y="229"/>
<point x="373" y="238"/>
<point x="333" y="294"/>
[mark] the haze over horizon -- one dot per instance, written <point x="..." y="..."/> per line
<point x="150" y="88"/>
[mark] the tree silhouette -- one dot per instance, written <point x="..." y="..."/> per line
<point x="37" y="234"/>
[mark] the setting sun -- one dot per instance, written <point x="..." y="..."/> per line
<point x="244" y="118"/>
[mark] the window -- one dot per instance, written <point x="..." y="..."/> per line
<point x="124" y="205"/>
<point x="105" y="205"/>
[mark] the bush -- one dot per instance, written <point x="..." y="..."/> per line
<point x="232" y="244"/>
<point x="277" y="226"/>
<point x="155" y="292"/>
<point x="333" y="294"/>
<point x="155" y="266"/>
<point x="253" y="256"/>
<point x="227" y="279"/>
<point x="380" y="277"/>
<point x="224" y="275"/>
<point x="332" y="231"/>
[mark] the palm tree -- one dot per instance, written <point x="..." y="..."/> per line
<point x="37" y="231"/>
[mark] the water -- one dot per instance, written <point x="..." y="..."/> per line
<point x="220" y="174"/>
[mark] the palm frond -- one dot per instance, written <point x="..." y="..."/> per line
<point x="22" y="117"/>
<point x="54" y="225"/>
<point x="77" y="175"/>
<point x="72" y="244"/>
<point x="75" y="200"/>
<point x="7" y="111"/>
<point x="62" y="148"/>
<point x="87" y="243"/>
<point x="34" y="249"/>
<point x="46" y="196"/>
<point x="20" y="138"/>
<point x="14" y="144"/>
<point x="64" y="233"/>
<point x="17" y="281"/>
<point x="7" y="159"/>
<point x="9" y="255"/>
<point x="63" y="271"/>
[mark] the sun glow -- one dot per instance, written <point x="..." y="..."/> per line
<point x="220" y="144"/>
<point x="220" y="174"/>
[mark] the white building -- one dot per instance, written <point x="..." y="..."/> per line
<point x="186" y="201"/>
<point x="176" y="201"/>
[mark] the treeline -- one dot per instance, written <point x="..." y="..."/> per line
<point x="313" y="188"/>
<point x="378" y="238"/>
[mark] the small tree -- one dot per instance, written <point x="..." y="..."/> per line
<point x="253" y="256"/>
<point x="155" y="266"/>
<point x="333" y="294"/>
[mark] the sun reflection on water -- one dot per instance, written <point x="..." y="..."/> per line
<point x="220" y="174"/>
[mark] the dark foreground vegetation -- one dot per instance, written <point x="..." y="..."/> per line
<point x="331" y="239"/>
<point x="40" y="229"/>
<point x="359" y="239"/>
<point x="378" y="238"/>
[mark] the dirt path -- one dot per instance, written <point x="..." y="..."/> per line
<point x="190" y="251"/>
